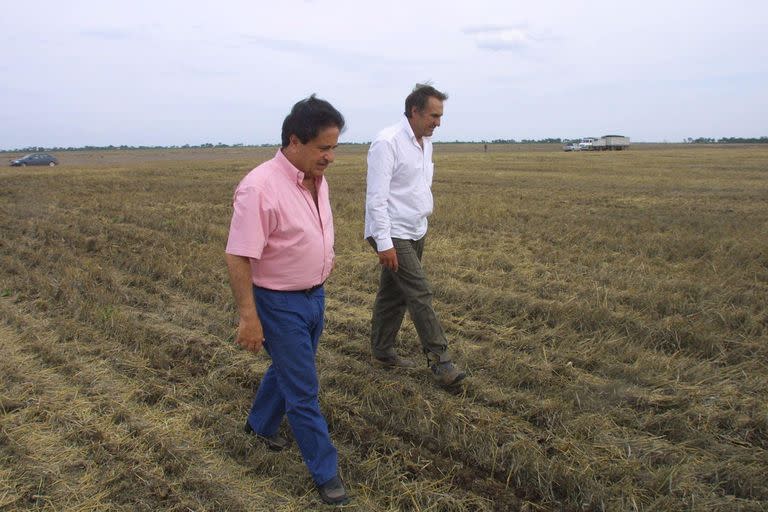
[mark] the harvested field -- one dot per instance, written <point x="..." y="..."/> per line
<point x="611" y="310"/>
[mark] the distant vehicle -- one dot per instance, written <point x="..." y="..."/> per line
<point x="611" y="142"/>
<point x="606" y="142"/>
<point x="35" y="159"/>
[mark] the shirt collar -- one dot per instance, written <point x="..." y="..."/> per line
<point x="289" y="170"/>
<point x="406" y="126"/>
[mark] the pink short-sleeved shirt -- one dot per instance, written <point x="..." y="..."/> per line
<point x="276" y="224"/>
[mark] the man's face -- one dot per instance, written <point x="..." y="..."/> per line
<point x="316" y="155"/>
<point x="425" y="121"/>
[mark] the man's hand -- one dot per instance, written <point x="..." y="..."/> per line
<point x="250" y="335"/>
<point x="388" y="259"/>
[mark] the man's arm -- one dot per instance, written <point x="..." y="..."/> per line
<point x="380" y="168"/>
<point x="250" y="334"/>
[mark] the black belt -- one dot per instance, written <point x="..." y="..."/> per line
<point x="305" y="290"/>
<point x="312" y="288"/>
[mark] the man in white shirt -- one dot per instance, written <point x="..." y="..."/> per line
<point x="398" y="202"/>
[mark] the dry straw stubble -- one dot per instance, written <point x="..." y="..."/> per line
<point x="611" y="309"/>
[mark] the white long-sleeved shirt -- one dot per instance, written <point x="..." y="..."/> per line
<point x="399" y="188"/>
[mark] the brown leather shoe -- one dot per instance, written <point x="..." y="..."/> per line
<point x="447" y="374"/>
<point x="332" y="492"/>
<point x="394" y="362"/>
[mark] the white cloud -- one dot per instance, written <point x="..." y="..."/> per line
<point x="108" y="34"/>
<point x="499" y="37"/>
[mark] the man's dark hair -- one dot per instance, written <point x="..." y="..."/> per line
<point x="308" y="117"/>
<point x="419" y="97"/>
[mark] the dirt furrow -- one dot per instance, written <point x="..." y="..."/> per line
<point x="170" y="464"/>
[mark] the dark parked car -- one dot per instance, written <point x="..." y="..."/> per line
<point x="35" y="159"/>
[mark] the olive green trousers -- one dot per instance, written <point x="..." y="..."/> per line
<point x="407" y="289"/>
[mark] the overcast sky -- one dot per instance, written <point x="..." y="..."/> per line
<point x="158" y="72"/>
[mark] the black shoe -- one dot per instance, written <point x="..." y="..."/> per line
<point x="273" y="443"/>
<point x="332" y="492"/>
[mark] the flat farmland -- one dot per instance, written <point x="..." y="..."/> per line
<point x="611" y="310"/>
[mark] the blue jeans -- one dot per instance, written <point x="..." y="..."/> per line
<point x="292" y="323"/>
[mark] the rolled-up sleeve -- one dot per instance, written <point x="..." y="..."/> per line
<point x="253" y="220"/>
<point x="381" y="163"/>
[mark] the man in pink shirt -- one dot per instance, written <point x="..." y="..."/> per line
<point x="279" y="254"/>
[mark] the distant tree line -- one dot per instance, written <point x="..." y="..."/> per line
<point x="727" y="140"/>
<point x="508" y="141"/>
<point x="549" y="140"/>
<point x="207" y="145"/>
<point x="34" y="149"/>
